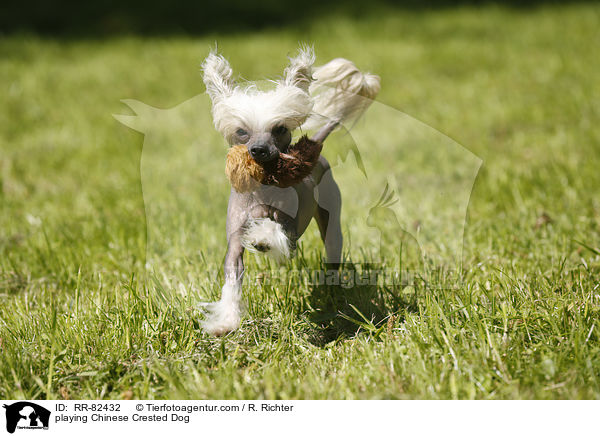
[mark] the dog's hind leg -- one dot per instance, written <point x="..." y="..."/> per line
<point x="225" y="315"/>
<point x="327" y="215"/>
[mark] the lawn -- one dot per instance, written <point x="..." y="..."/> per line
<point x="109" y="238"/>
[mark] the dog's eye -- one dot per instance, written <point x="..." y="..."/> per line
<point x="241" y="133"/>
<point x="280" y="130"/>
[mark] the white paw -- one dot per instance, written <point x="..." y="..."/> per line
<point x="222" y="317"/>
<point x="266" y="236"/>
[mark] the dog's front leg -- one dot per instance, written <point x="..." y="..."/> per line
<point x="225" y="315"/>
<point x="327" y="215"/>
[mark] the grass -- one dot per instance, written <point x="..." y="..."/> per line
<point x="97" y="292"/>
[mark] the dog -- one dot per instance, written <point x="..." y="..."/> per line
<point x="271" y="219"/>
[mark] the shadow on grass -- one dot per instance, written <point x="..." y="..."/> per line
<point x="342" y="310"/>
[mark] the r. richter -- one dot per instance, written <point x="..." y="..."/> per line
<point x="276" y="408"/>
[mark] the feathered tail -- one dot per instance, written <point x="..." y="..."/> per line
<point x="341" y="92"/>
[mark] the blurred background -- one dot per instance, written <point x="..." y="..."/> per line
<point x="75" y="18"/>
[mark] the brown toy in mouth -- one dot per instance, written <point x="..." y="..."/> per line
<point x="287" y="169"/>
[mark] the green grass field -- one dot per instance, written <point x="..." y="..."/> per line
<point x="83" y="315"/>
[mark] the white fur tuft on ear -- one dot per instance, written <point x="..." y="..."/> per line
<point x="217" y="77"/>
<point x="299" y="71"/>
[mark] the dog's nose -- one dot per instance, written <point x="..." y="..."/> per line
<point x="260" y="152"/>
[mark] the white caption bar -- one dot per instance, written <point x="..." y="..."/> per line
<point x="22" y="417"/>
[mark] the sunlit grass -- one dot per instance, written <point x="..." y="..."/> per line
<point x="81" y="317"/>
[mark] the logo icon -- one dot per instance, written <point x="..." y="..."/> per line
<point x="26" y="415"/>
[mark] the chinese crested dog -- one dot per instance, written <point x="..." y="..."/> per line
<point x="270" y="219"/>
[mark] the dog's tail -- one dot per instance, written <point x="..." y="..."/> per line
<point x="341" y="93"/>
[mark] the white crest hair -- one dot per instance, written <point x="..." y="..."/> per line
<point x="235" y="106"/>
<point x="339" y="91"/>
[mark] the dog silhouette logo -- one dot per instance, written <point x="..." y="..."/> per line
<point x="26" y="415"/>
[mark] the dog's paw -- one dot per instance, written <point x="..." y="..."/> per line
<point x="222" y="317"/>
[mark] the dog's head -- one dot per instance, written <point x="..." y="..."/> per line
<point x="262" y="120"/>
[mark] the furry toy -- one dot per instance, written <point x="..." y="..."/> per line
<point x="285" y="170"/>
<point x="259" y="126"/>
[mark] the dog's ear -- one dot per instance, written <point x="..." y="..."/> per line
<point x="299" y="71"/>
<point x="217" y="76"/>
